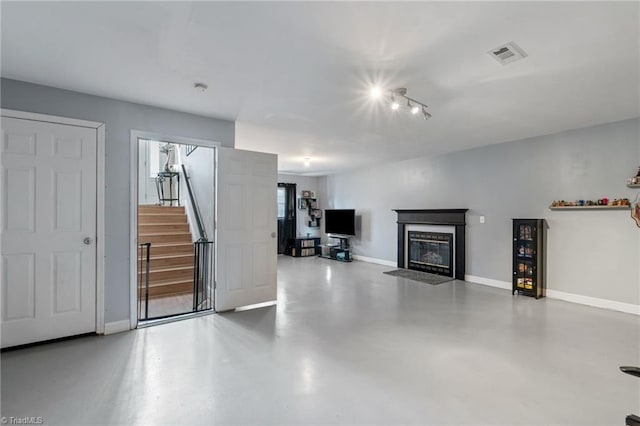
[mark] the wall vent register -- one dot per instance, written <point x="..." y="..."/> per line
<point x="507" y="53"/>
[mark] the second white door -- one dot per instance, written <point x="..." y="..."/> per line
<point x="246" y="229"/>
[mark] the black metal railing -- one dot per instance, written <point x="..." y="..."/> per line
<point x="203" y="276"/>
<point x="203" y="283"/>
<point x="144" y="257"/>
<point x="190" y="149"/>
<point x="194" y="205"/>
<point x="632" y="419"/>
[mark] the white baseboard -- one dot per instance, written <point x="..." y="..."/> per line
<point x="117" y="327"/>
<point x="628" y="308"/>
<point x="488" y="281"/>
<point x="374" y="260"/>
<point x="594" y="301"/>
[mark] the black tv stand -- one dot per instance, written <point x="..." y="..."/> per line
<point x="344" y="241"/>
<point x="340" y="251"/>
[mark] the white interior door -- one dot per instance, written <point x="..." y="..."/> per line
<point x="246" y="232"/>
<point x="48" y="198"/>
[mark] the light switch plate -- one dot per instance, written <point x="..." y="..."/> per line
<point x="481" y="219"/>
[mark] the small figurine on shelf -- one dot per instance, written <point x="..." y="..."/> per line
<point x="620" y="202"/>
<point x="635" y="213"/>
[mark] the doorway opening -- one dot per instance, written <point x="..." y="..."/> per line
<point x="175" y="229"/>
<point x="286" y="198"/>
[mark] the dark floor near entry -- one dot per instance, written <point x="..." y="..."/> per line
<point x="423" y="277"/>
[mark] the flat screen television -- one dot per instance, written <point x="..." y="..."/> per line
<point x="342" y="222"/>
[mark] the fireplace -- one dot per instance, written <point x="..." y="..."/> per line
<point x="431" y="252"/>
<point x="432" y="241"/>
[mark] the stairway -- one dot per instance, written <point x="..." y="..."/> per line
<point x="171" y="254"/>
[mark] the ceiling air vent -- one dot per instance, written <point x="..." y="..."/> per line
<point x="507" y="53"/>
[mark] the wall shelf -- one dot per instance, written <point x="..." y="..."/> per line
<point x="633" y="185"/>
<point x="309" y="202"/>
<point x="590" y="208"/>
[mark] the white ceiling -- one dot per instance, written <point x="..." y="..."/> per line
<point x="296" y="76"/>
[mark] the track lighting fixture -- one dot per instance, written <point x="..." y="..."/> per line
<point x="415" y="107"/>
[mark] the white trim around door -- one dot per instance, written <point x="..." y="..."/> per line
<point x="133" y="208"/>
<point x="100" y="194"/>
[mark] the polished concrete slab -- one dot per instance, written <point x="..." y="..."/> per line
<point x="346" y="344"/>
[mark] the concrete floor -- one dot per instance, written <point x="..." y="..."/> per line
<point x="346" y="344"/>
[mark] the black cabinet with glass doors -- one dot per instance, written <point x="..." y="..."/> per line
<point x="529" y="257"/>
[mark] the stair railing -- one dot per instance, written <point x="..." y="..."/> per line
<point x="196" y="211"/>
<point x="202" y="260"/>
<point x="202" y="273"/>
<point x="632" y="419"/>
<point x="144" y="258"/>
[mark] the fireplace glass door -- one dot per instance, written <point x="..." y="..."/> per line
<point x="431" y="252"/>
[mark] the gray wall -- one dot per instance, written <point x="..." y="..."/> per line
<point x="590" y="253"/>
<point x="119" y="118"/>
<point x="302" y="216"/>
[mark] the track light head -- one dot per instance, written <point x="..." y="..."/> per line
<point x="394" y="104"/>
<point x="413" y="108"/>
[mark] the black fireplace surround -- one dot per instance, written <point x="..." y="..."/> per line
<point x="449" y="217"/>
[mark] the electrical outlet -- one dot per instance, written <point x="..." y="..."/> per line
<point x="481" y="219"/>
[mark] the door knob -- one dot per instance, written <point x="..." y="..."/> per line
<point x="87" y="240"/>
